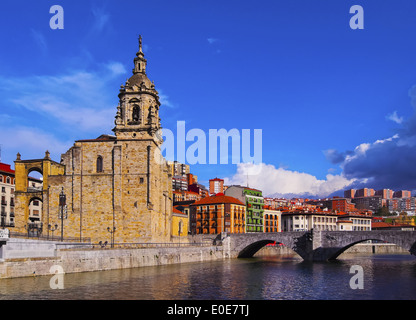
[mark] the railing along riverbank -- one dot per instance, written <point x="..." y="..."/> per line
<point x="132" y="245"/>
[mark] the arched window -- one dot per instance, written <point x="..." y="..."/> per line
<point x="99" y="164"/>
<point x="136" y="114"/>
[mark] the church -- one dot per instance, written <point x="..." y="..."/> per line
<point x="116" y="188"/>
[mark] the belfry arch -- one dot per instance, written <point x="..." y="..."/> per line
<point x="31" y="195"/>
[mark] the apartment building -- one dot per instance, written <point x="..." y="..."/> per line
<point x="181" y="195"/>
<point x="339" y="204"/>
<point x="304" y="220"/>
<point x="7" y="195"/>
<point x="402" y="194"/>
<point x="216" y="214"/>
<point x="355" y="221"/>
<point x="385" y="193"/>
<point x="369" y="203"/>
<point x="402" y="205"/>
<point x="271" y="220"/>
<point x="216" y="186"/>
<point x="254" y="201"/>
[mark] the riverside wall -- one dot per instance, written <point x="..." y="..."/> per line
<point x="24" y="258"/>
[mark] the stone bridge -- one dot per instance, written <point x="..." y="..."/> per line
<point x="315" y="245"/>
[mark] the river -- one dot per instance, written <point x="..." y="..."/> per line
<point x="265" y="278"/>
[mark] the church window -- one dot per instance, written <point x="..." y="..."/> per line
<point x="136" y="114"/>
<point x="99" y="164"/>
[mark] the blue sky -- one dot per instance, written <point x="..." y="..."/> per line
<point x="335" y="105"/>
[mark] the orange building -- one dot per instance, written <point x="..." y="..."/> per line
<point x="271" y="219"/>
<point x="216" y="186"/>
<point x="342" y="204"/>
<point x="216" y="214"/>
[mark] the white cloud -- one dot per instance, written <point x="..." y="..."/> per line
<point x="116" y="68"/>
<point x="101" y="19"/>
<point x="78" y="99"/>
<point x="212" y="40"/>
<point x="272" y="180"/>
<point x="49" y="112"/>
<point x="164" y="100"/>
<point x="31" y="143"/>
<point x="394" y="117"/>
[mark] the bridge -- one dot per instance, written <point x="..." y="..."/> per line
<point x="315" y="245"/>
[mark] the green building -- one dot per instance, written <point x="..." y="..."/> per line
<point x="254" y="201"/>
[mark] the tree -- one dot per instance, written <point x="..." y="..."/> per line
<point x="383" y="211"/>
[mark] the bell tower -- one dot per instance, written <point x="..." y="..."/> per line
<point x="138" y="110"/>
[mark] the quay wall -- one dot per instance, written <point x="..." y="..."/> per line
<point x="24" y="258"/>
<point x="24" y="263"/>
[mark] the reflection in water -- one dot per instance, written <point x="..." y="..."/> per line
<point x="277" y="277"/>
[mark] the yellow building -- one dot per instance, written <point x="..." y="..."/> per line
<point x="180" y="223"/>
<point x="117" y="187"/>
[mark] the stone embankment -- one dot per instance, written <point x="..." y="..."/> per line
<point x="23" y="258"/>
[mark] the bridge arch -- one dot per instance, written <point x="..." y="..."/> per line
<point x="252" y="248"/>
<point x="345" y="248"/>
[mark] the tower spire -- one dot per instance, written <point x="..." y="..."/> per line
<point x="140" y="62"/>
<point x="140" y="43"/>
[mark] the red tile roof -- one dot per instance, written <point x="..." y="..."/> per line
<point x="382" y="224"/>
<point x="4" y="167"/>
<point x="177" y="211"/>
<point x="218" y="199"/>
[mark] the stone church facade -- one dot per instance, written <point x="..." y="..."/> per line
<point x="117" y="187"/>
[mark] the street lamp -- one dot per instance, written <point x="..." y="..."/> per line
<point x="112" y="231"/>
<point x="52" y="229"/>
<point x="62" y="203"/>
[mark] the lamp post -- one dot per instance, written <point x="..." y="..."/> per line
<point x="52" y="229"/>
<point x="112" y="231"/>
<point x="62" y="203"/>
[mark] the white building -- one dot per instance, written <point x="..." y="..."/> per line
<point x="359" y="222"/>
<point x="304" y="220"/>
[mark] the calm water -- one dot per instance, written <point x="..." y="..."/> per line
<point x="269" y="278"/>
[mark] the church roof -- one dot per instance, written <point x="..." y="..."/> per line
<point x="103" y="137"/>
<point x="139" y="78"/>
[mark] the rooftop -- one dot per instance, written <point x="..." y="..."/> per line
<point x="219" y="198"/>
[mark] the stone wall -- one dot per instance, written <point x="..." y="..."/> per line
<point x="84" y="260"/>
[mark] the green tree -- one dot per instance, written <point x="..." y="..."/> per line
<point x="382" y="212"/>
